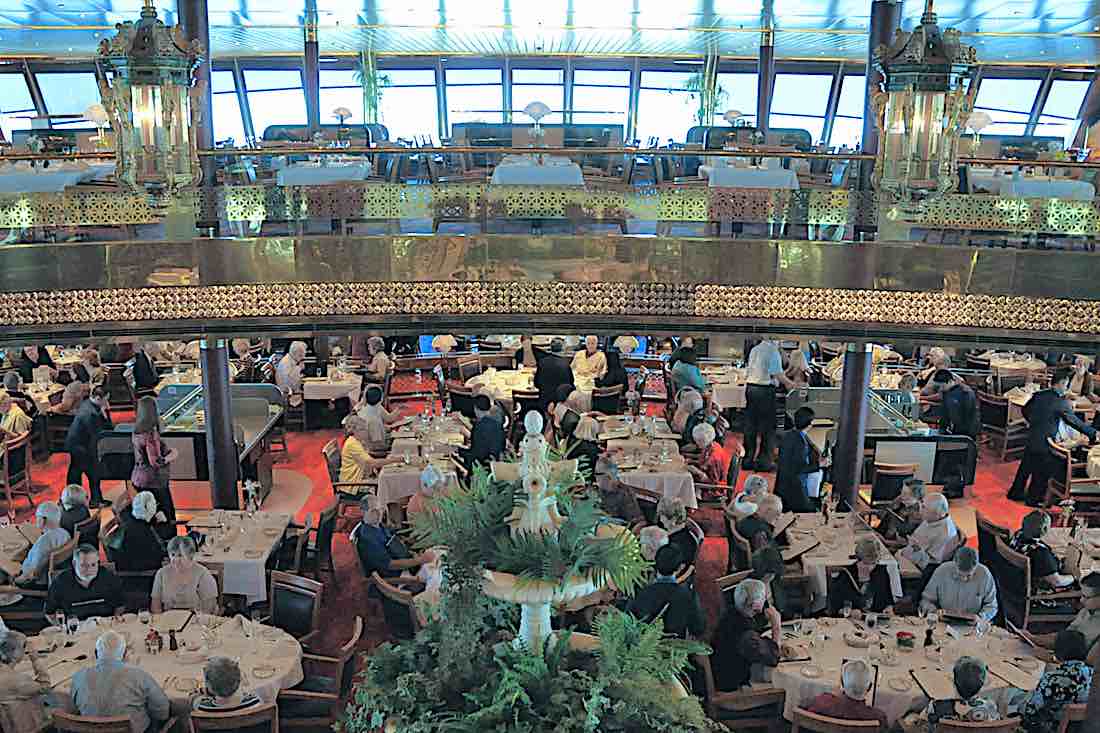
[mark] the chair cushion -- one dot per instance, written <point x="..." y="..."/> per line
<point x="318" y="683"/>
<point x="764" y="711"/>
<point x="293" y="612"/>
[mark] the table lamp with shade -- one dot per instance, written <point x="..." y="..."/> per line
<point x="977" y="121"/>
<point x="97" y="115"/>
<point x="734" y="117"/>
<point x="341" y="114"/>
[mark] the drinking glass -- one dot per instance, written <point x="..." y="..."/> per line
<point x="144" y="617"/>
<point x="872" y="619"/>
<point x="796" y="627"/>
<point x="981" y="628"/>
<point x="846" y="609"/>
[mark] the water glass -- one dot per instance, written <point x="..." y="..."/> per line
<point x="846" y="609"/>
<point x="144" y="617"/>
<point x="872" y="620"/>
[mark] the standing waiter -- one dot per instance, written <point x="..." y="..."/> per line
<point x="765" y="373"/>
<point x="1044" y="412"/>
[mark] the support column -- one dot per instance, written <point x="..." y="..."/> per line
<point x="221" y="448"/>
<point x="852" y="427"/>
<point x="885" y="21"/>
<point x="196" y="26"/>
<point x="311" y="69"/>
<point x="765" y="79"/>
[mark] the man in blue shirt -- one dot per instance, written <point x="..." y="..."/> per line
<point x="378" y="547"/>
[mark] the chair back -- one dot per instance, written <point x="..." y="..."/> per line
<point x="332" y="457"/>
<point x="1005" y="379"/>
<point x="1073" y="713"/>
<point x="87" y="531"/>
<point x="68" y="723"/>
<point x="462" y="401"/>
<point x="295" y="603"/>
<point x="260" y="719"/>
<point x="468" y="368"/>
<point x="387" y="383"/>
<point x="686" y="576"/>
<point x="63" y="556"/>
<point x="17" y="465"/>
<point x="988" y="532"/>
<point x="805" y="720"/>
<point x="740" y="549"/>
<point x="326" y="528"/>
<point x="607" y="399"/>
<point x="1014" y="580"/>
<point x="727" y="583"/>
<point x="888" y="480"/>
<point x="1008" y="725"/>
<point x="349" y="659"/>
<point x="398" y="608"/>
<point x="993" y="410"/>
<point x="105" y="535"/>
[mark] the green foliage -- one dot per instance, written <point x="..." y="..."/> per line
<point x="708" y="102"/>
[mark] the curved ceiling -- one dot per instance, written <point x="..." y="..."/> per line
<point x="1004" y="31"/>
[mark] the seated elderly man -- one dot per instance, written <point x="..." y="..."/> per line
<point x="738" y="642"/>
<point x="962" y="587"/>
<point x="968" y="705"/>
<point x="288" y="372"/>
<point x="651" y="540"/>
<point x="937" y="537"/>
<point x="672" y="515"/>
<point x="856" y="678"/>
<point x="487" y="439"/>
<point x="221" y="679"/>
<point x="113" y="688"/>
<point x="379" y="551"/>
<point x="87" y="589"/>
<point x="13" y="384"/>
<point x="33" y="569"/>
<point x="591" y="363"/>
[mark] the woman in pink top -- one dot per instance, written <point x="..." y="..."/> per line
<point x="151" y="461"/>
<point x="430" y="480"/>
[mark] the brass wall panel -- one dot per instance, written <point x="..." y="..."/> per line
<point x="84" y="208"/>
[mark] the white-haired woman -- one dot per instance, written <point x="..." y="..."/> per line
<point x="712" y="464"/>
<point x="688" y="402"/>
<point x="672" y="515"/>
<point x="937" y="537"/>
<point x="74" y="507"/>
<point x="183" y="584"/>
<point x="431" y="481"/>
<point x="738" y="642"/>
<point x="865" y="583"/>
<point x="745" y="503"/>
<point x="142" y="545"/>
<point x="856" y="678"/>
<point x="379" y="364"/>
<point x="288" y="372"/>
<point x="23" y="693"/>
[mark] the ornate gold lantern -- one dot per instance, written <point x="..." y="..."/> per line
<point x="921" y="113"/>
<point x="149" y="102"/>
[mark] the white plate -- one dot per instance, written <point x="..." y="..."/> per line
<point x="811" y="671"/>
<point x="900" y="684"/>
<point x="263" y="671"/>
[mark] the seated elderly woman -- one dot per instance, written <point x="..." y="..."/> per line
<point x="23" y="692"/>
<point x="962" y="587"/>
<point x="688" y="402"/>
<point x="1046" y="568"/>
<point x="71" y="398"/>
<point x="759" y="527"/>
<point x="936" y="538"/>
<point x="712" y="464"/>
<point x="585" y="447"/>
<point x="356" y="462"/>
<point x="651" y="539"/>
<point x="856" y="678"/>
<point x="904" y="514"/>
<point x="32" y="571"/>
<point x="969" y="675"/>
<point x="74" y="507"/>
<point x="222" y="693"/>
<point x="1067" y="683"/>
<point x="183" y="584"/>
<point x="745" y="503"/>
<point x="865" y="583"/>
<point x="431" y="481"/>
<point x="672" y="515"/>
<point x="738" y="642"/>
<point x="141" y="545"/>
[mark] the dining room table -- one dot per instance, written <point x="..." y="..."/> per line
<point x="653" y="464"/>
<point x="1013" y="360"/>
<point x="989" y="180"/>
<point x="904" y="679"/>
<point x="45" y="395"/>
<point x="724" y="175"/>
<point x="20" y="177"/>
<point x="15" y="541"/>
<point x="239" y="543"/>
<point x="310" y="173"/>
<point x="536" y="169"/>
<point x="398" y="481"/>
<point x="431" y="437"/>
<point x="727" y="386"/>
<point x="1018" y="397"/>
<point x="179" y="375"/>
<point x="270" y="659"/>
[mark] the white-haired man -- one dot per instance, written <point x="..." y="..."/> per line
<point x="651" y="539"/>
<point x="47" y="517"/>
<point x="937" y="537"/>
<point x="856" y="678"/>
<point x="962" y="587"/>
<point x="591" y="363"/>
<point x="113" y="688"/>
<point x="738" y="642"/>
<point x="288" y="373"/>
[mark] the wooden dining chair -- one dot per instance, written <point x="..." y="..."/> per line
<point x="1069" y="480"/>
<point x="805" y="720"/>
<point x="397" y="604"/>
<point x="295" y="605"/>
<point x="259" y="719"/>
<point x="1071" y="714"/>
<point x="887" y="480"/>
<point x="607" y="400"/>
<point x="468" y="368"/>
<point x="1008" y="437"/>
<point x="988" y="532"/>
<point x="15" y="474"/>
<point x="318" y="551"/>
<point x="751" y="708"/>
<point x="1008" y="725"/>
<point x="1018" y="594"/>
<point x="69" y="723"/>
<point x="727" y="583"/>
<point x="316" y="702"/>
<point x="348" y="494"/>
<point x="462" y="400"/>
<point x="87" y="531"/>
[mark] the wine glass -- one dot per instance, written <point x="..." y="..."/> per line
<point x="933" y="618"/>
<point x="846" y="609"/>
<point x="982" y="627"/>
<point x="144" y="616"/>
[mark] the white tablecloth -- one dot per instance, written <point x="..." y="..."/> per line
<point x="271" y="661"/>
<point x="250" y="543"/>
<point x="1015" y="361"/>
<point x="525" y="170"/>
<point x="668" y="482"/>
<point x="189" y="376"/>
<point x="984" y="179"/>
<point x="501" y="382"/>
<point x="398" y="481"/>
<point x="724" y="176"/>
<point x="304" y="174"/>
<point x="830" y="655"/>
<point x="17" y="179"/>
<point x="320" y="388"/>
<point x="42" y="396"/>
<point x="15" y="540"/>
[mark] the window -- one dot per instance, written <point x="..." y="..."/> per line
<point x="600" y="96"/>
<point x="340" y="88"/>
<point x="409" y="106"/>
<point x="667" y="108"/>
<point x="738" y="92"/>
<point x="848" y="124"/>
<point x="1059" y="117"/>
<point x="275" y="97"/>
<point x="16" y="107"/>
<point x="538" y="85"/>
<point x="227" y="108"/>
<point x="1008" y="102"/>
<point x="68" y="93"/>
<point x="475" y="95"/>
<point x="799" y="102"/>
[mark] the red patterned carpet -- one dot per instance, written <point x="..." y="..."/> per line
<point x="345" y="594"/>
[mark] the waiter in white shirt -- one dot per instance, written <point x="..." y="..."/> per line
<point x="764" y="375"/>
<point x="591" y="363"/>
<point x="288" y="373"/>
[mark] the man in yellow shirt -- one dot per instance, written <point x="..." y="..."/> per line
<point x="13" y="420"/>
